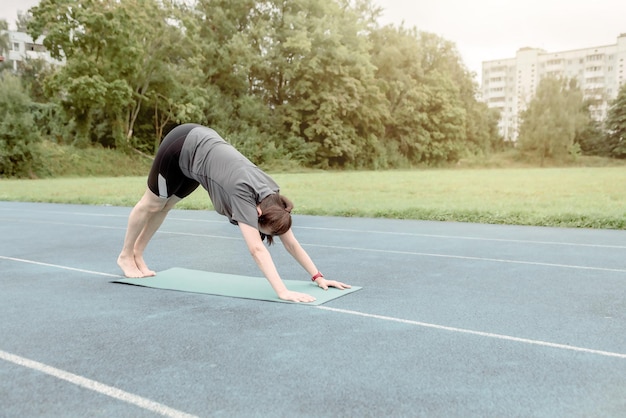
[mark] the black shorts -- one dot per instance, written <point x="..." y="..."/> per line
<point x="166" y="178"/>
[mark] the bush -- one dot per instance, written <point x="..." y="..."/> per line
<point x="94" y="161"/>
<point x="18" y="132"/>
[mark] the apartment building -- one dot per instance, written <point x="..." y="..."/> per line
<point x="22" y="47"/>
<point x="509" y="84"/>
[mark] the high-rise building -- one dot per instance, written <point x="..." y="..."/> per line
<point x="510" y="84"/>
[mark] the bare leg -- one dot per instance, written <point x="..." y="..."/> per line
<point x="144" y="220"/>
<point x="148" y="231"/>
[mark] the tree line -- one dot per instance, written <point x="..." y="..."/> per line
<point x="315" y="83"/>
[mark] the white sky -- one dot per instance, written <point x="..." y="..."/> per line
<point x="9" y="9"/>
<point x="484" y="30"/>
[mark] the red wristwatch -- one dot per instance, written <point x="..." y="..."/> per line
<point x="317" y="276"/>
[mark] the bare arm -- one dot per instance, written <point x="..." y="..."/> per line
<point x="294" y="248"/>
<point x="263" y="259"/>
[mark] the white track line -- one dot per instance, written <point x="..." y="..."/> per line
<point x="461" y="237"/>
<point x="463" y="257"/>
<point x="123" y="228"/>
<point x="404" y="321"/>
<point x="21" y="260"/>
<point x="95" y="386"/>
<point x="458" y="257"/>
<point x="412" y="234"/>
<point x="478" y="333"/>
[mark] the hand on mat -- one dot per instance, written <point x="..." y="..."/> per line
<point x="296" y="297"/>
<point x="325" y="284"/>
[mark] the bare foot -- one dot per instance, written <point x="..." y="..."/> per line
<point x="143" y="267"/>
<point x="129" y="267"/>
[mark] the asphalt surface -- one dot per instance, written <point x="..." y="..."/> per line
<point x="454" y="320"/>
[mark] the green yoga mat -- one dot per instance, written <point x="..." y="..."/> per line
<point x="196" y="281"/>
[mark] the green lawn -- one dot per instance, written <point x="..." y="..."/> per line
<point x="573" y="197"/>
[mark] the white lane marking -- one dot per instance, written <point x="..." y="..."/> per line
<point x="478" y="333"/>
<point x="412" y="234"/>
<point x="459" y="257"/>
<point x="405" y="321"/>
<point x="120" y="228"/>
<point x="21" y="260"/>
<point x="463" y="257"/>
<point x="63" y="223"/>
<point x="461" y="237"/>
<point x="95" y="386"/>
<point x="53" y="212"/>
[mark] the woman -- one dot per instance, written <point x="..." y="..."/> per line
<point x="191" y="155"/>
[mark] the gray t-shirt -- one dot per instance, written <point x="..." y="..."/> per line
<point x="234" y="183"/>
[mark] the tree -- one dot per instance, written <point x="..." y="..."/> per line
<point x="482" y="128"/>
<point x="552" y="119"/>
<point x="32" y="73"/>
<point x="4" y="37"/>
<point x="22" y="21"/>
<point x="114" y="51"/>
<point x="433" y="116"/>
<point x="226" y="37"/>
<point x="480" y="123"/>
<point x="320" y="80"/>
<point x="616" y="125"/>
<point x="593" y="140"/>
<point x="293" y="76"/>
<point x="17" y="136"/>
<point x="312" y="81"/>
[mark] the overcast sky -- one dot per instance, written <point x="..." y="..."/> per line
<point x="484" y="30"/>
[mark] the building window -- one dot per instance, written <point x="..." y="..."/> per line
<point x="595" y="57"/>
<point x="16" y="46"/>
<point x="34" y="47"/>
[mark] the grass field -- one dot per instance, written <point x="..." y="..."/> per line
<point x="571" y="197"/>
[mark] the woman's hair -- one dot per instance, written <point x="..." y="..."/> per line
<point x="275" y="216"/>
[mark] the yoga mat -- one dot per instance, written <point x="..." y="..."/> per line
<point x="231" y="285"/>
